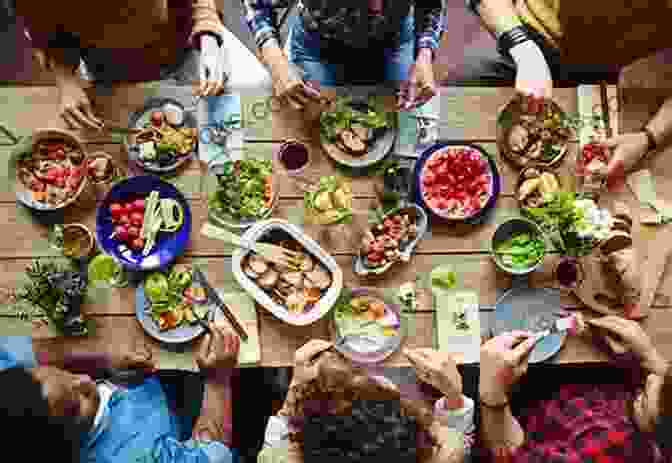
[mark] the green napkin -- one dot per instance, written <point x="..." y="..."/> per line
<point x="462" y="342"/>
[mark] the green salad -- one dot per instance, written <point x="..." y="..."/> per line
<point x="245" y="189"/>
<point x="344" y="114"/>
<point x="521" y="251"/>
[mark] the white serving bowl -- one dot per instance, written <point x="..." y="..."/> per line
<point x="319" y="310"/>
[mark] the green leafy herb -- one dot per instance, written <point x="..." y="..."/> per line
<point x="242" y="189"/>
<point x="343" y="115"/>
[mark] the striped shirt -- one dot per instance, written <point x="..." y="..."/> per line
<point x="350" y="22"/>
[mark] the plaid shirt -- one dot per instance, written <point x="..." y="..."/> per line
<point x="349" y="22"/>
<point x="584" y="424"/>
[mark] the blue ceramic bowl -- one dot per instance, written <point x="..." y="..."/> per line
<point x="168" y="245"/>
<point x="496" y="184"/>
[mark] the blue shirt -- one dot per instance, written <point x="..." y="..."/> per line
<point x="138" y="425"/>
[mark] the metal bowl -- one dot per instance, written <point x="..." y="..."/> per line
<point x="505" y="231"/>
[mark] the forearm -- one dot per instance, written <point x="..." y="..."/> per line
<point x="656" y="364"/>
<point x="272" y="55"/>
<point x="216" y="419"/>
<point x="498" y="16"/>
<point x="661" y="124"/>
<point x="205" y="20"/>
<point x="77" y="355"/>
<point x="260" y="16"/>
<point x="501" y="432"/>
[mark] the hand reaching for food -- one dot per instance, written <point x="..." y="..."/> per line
<point x="437" y="369"/>
<point x="211" y="67"/>
<point x="288" y="84"/>
<point x="218" y="352"/>
<point x="504" y="360"/>
<point x="533" y="76"/>
<point x="74" y="105"/>
<point x="627" y="150"/>
<point x="420" y="86"/>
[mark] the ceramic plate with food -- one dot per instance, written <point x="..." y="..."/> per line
<point x="368" y="328"/>
<point x="298" y="293"/>
<point x="246" y="192"/>
<point x="535" y="187"/>
<point x="357" y="134"/>
<point x="168" y="139"/>
<point x="392" y="240"/>
<point x="329" y="201"/>
<point x="144" y="223"/>
<point x="456" y="182"/>
<point x="533" y="131"/>
<point x="51" y="171"/>
<point x="167" y="304"/>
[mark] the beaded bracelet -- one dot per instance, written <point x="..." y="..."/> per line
<point x="511" y="38"/>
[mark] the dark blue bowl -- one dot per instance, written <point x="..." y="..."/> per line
<point x="489" y="205"/>
<point x="168" y="245"/>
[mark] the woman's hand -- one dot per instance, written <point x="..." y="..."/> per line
<point x="533" y="76"/>
<point x="420" y="86"/>
<point x="218" y="352"/>
<point x="211" y="67"/>
<point x="136" y="357"/>
<point x="627" y="150"/>
<point x="437" y="369"/>
<point x="503" y="362"/>
<point x="288" y="84"/>
<point x="74" y="106"/>
<point x="630" y="335"/>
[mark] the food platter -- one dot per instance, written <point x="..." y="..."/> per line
<point x="373" y="145"/>
<point x="176" y="122"/>
<point x="36" y="186"/>
<point x="276" y="231"/>
<point x="447" y="189"/>
<point x="531" y="309"/>
<point x="360" y="337"/>
<point x="534" y="185"/>
<point x="532" y="131"/>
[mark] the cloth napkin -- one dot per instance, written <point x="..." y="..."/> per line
<point x="464" y="344"/>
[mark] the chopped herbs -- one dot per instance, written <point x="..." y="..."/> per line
<point x="245" y="189"/>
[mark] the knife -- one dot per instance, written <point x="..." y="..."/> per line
<point x="214" y="297"/>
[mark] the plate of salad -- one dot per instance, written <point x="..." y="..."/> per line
<point x="168" y="136"/>
<point x="357" y="133"/>
<point x="246" y="192"/>
<point x="167" y="304"/>
<point x="368" y="327"/>
<point x="144" y="223"/>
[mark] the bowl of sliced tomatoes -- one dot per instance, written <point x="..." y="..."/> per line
<point x="456" y="182"/>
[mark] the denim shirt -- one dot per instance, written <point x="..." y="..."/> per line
<point x="136" y="425"/>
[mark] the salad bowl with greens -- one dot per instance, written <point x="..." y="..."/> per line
<point x="246" y="193"/>
<point x="518" y="246"/>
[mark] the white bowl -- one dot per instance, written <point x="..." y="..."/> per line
<point x="319" y="310"/>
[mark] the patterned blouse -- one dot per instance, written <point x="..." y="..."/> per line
<point x="349" y="21"/>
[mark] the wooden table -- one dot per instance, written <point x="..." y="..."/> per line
<point x="467" y="115"/>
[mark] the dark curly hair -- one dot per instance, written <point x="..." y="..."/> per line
<point x="27" y="424"/>
<point x="346" y="416"/>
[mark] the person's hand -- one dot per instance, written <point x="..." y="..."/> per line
<point x="211" y="67"/>
<point x="627" y="150"/>
<point x="437" y="369"/>
<point x="137" y="356"/>
<point x="630" y="335"/>
<point x="420" y="86"/>
<point x="218" y="351"/>
<point x="74" y="106"/>
<point x="288" y="85"/>
<point x="306" y="360"/>
<point x="533" y="76"/>
<point x="503" y="362"/>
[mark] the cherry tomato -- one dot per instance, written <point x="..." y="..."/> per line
<point x="139" y="205"/>
<point x="133" y="232"/>
<point x="157" y="118"/>
<point x="124" y="218"/>
<point x="116" y="210"/>
<point x="121" y="233"/>
<point x="136" y="219"/>
<point x="138" y="244"/>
